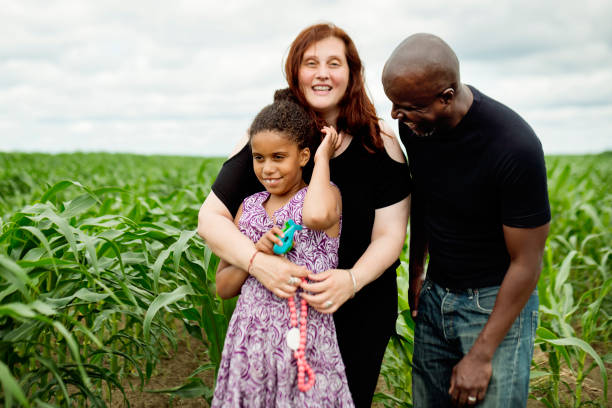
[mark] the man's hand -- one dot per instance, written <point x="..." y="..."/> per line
<point x="470" y="380"/>
<point x="414" y="291"/>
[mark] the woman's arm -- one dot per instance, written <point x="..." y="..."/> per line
<point x="322" y="204"/>
<point x="336" y="285"/>
<point x="216" y="226"/>
<point x="229" y="278"/>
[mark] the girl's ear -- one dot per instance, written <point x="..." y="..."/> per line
<point x="304" y="156"/>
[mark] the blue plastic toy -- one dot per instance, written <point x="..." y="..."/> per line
<point x="290" y="228"/>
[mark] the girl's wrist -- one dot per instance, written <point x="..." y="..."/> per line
<point x="251" y="261"/>
<point x="323" y="157"/>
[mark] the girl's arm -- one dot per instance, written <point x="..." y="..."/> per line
<point x="322" y="204"/>
<point x="229" y="280"/>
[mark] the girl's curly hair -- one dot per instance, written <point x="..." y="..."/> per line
<point x="287" y="116"/>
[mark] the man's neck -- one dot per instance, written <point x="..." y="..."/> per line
<point x="463" y="103"/>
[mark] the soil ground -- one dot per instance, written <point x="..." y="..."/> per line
<point x="172" y="371"/>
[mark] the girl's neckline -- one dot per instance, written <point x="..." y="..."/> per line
<point x="273" y="218"/>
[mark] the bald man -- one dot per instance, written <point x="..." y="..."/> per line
<point x="480" y="210"/>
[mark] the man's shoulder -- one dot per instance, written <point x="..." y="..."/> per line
<point x="507" y="127"/>
<point x="496" y="112"/>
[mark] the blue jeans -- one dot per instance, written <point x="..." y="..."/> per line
<point x="447" y="325"/>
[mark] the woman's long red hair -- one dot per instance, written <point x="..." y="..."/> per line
<point x="357" y="113"/>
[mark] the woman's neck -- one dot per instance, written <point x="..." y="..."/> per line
<point x="331" y="117"/>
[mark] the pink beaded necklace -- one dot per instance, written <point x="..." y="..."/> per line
<point x="296" y="340"/>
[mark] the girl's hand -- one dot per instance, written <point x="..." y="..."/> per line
<point x="267" y="241"/>
<point x="329" y="291"/>
<point x="331" y="142"/>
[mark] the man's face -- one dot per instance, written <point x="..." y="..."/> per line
<point x="419" y="107"/>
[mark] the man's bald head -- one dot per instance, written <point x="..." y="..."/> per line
<point x="424" y="59"/>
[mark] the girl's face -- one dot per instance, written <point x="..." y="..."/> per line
<point x="324" y="75"/>
<point x="278" y="162"/>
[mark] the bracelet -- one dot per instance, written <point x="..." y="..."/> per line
<point x="350" y="271"/>
<point x="251" y="261"/>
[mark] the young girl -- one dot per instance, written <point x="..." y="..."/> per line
<point x="279" y="352"/>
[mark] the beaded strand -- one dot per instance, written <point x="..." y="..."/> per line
<point x="299" y="354"/>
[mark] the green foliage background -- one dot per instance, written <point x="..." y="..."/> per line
<point x="99" y="258"/>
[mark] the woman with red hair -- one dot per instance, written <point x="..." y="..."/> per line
<point x="325" y="76"/>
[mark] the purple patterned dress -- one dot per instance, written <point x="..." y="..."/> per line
<point x="257" y="367"/>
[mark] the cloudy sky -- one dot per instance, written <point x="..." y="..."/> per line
<point x="187" y="77"/>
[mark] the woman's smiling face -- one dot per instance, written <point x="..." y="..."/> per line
<point x="324" y="76"/>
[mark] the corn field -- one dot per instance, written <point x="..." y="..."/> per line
<point x="100" y="267"/>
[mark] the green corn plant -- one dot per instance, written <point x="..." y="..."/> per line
<point x="95" y="269"/>
<point x="96" y="273"/>
<point x="397" y="363"/>
<point x="575" y="281"/>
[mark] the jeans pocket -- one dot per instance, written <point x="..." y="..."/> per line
<point x="485" y="298"/>
<point x="426" y="288"/>
<point x="423" y="294"/>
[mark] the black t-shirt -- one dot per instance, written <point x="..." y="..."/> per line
<point x="487" y="172"/>
<point x="367" y="181"/>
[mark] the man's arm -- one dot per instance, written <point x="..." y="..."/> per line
<point x="417" y="255"/>
<point x="472" y="374"/>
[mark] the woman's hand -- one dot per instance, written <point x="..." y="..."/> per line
<point x="277" y="274"/>
<point x="329" y="290"/>
<point x="331" y="142"/>
<point x="267" y="241"/>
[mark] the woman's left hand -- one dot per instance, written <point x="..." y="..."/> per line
<point x="329" y="290"/>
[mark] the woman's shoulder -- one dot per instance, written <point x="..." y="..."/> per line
<point x="391" y="143"/>
<point x="392" y="151"/>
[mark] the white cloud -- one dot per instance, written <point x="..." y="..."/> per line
<point x="188" y="76"/>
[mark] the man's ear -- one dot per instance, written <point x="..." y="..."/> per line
<point x="304" y="156"/>
<point x="447" y="95"/>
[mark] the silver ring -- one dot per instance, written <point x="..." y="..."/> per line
<point x="328" y="304"/>
<point x="472" y="399"/>
<point x="293" y="281"/>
